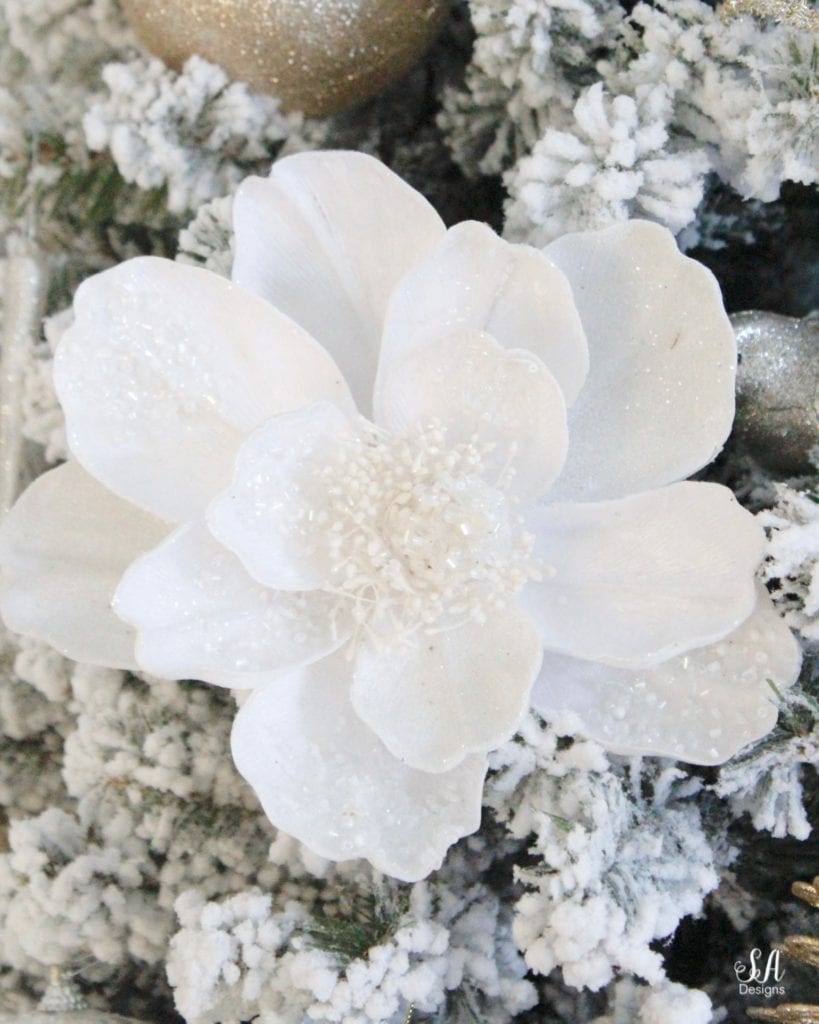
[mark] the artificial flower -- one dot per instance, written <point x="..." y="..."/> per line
<point x="401" y="481"/>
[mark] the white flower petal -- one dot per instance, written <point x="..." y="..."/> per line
<point x="659" y="399"/>
<point x="474" y="279"/>
<point x="449" y="694"/>
<point x="478" y="390"/>
<point x="325" y="239"/>
<point x="198" y="615"/>
<point x="166" y="367"/>
<point x="635" y="581"/>
<point x="63" y="548"/>
<point x="322" y="776"/>
<point x="274" y="514"/>
<point x="700" y="707"/>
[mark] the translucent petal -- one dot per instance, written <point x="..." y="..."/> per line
<point x="63" y="548"/>
<point x="700" y="707"/>
<point x="659" y="399"/>
<point x="449" y="694"/>
<point x="322" y="776"/>
<point x="325" y="239"/>
<point x="274" y="515"/>
<point x="166" y="368"/>
<point x="635" y="581"/>
<point x="478" y="390"/>
<point x="198" y="615"/>
<point x="474" y="279"/>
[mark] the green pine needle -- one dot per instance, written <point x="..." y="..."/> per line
<point x="369" y="924"/>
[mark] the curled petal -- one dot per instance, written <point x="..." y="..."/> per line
<point x="166" y="368"/>
<point x="449" y="694"/>
<point x="635" y="581"/>
<point x="659" y="399"/>
<point x="274" y="516"/>
<point x="198" y="615"/>
<point x="322" y="776"/>
<point x="504" y="398"/>
<point x="700" y="707"/>
<point x="476" y="280"/>
<point x="326" y="238"/>
<point x="63" y="548"/>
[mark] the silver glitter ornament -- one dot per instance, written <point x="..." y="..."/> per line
<point x="777" y="417"/>
<point x="62" y="1003"/>
<point x="87" y="1016"/>
<point x="318" y="56"/>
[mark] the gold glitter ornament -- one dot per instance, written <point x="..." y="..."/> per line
<point x="318" y="56"/>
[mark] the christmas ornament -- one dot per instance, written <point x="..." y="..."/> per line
<point x="23" y="284"/>
<point x="62" y="995"/>
<point x="80" y="1016"/>
<point x="777" y="416"/>
<point x="62" y="1003"/>
<point x="343" y="480"/>
<point x="318" y="56"/>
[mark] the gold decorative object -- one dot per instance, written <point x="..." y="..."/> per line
<point x="786" y="1013"/>
<point x="318" y="56"/>
<point x="799" y="947"/>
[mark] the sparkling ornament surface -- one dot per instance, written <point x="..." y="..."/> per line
<point x="62" y="1003"/>
<point x="777" y="417"/>
<point x="62" y="994"/>
<point x="24" y="285"/>
<point x="318" y="56"/>
<point x="84" y="1016"/>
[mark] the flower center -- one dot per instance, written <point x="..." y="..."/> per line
<point x="418" y="538"/>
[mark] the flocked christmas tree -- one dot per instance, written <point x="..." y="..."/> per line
<point x="600" y="888"/>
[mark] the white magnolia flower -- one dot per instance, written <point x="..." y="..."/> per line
<point x="384" y="480"/>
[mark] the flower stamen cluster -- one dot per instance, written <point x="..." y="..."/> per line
<point x="417" y="536"/>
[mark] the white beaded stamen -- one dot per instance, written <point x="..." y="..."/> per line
<point x="418" y="538"/>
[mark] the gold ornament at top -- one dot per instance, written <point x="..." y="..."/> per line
<point x="318" y="56"/>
